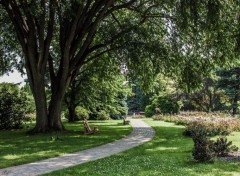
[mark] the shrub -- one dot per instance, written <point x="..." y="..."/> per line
<point x="149" y="111"/>
<point x="12" y="106"/>
<point x="203" y="150"/>
<point x="102" y="115"/>
<point x="222" y="147"/>
<point x="81" y="113"/>
<point x="30" y="117"/>
<point x="167" y="105"/>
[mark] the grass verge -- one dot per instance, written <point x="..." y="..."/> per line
<point x="168" y="154"/>
<point x="17" y="147"/>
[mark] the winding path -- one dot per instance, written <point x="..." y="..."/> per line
<point x="141" y="133"/>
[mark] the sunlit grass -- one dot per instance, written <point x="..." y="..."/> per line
<point x="17" y="147"/>
<point x="168" y="154"/>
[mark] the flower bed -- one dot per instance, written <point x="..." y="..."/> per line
<point x="200" y="126"/>
<point x="216" y="124"/>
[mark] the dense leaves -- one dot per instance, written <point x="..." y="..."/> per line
<point x="12" y="106"/>
<point x="230" y="82"/>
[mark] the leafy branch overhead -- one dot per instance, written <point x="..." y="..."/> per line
<point x="56" y="39"/>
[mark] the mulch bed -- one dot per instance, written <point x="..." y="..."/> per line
<point x="235" y="156"/>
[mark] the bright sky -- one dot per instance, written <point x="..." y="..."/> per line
<point x="14" y="77"/>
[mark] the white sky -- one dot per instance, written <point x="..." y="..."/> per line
<point x="14" y="77"/>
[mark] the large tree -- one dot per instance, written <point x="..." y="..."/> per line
<point x="60" y="37"/>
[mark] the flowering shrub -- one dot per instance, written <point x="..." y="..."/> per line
<point x="200" y="126"/>
<point x="216" y="123"/>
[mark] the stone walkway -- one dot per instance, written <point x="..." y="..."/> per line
<point x="141" y="133"/>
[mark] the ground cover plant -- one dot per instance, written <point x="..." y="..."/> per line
<point x="169" y="153"/>
<point x="17" y="147"/>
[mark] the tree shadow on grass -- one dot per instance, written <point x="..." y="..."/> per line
<point x="17" y="147"/>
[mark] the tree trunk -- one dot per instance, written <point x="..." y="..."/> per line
<point x="55" y="109"/>
<point x="55" y="105"/>
<point x="71" y="113"/>
<point x="71" y="104"/>
<point x="41" y="108"/>
<point x="234" y="105"/>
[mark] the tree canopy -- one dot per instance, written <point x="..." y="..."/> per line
<point x="56" y="39"/>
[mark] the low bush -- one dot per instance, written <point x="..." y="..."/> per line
<point x="81" y="113"/>
<point x="166" y="105"/>
<point x="149" y="111"/>
<point x="102" y="115"/>
<point x="203" y="150"/>
<point x="222" y="147"/>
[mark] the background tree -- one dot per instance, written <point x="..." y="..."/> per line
<point x="206" y="98"/>
<point x="229" y="81"/>
<point x="101" y="87"/>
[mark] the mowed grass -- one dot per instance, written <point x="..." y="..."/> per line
<point x="17" y="147"/>
<point x="168" y="154"/>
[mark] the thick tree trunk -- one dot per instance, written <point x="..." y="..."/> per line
<point x="71" y="104"/>
<point x="71" y="113"/>
<point x="55" y="105"/>
<point x="41" y="108"/>
<point x="55" y="109"/>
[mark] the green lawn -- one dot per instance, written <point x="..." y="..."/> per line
<point x="168" y="154"/>
<point x="16" y="147"/>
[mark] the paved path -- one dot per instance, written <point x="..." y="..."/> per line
<point x="141" y="133"/>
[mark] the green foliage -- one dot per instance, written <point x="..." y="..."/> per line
<point x="203" y="149"/>
<point x="102" y="115"/>
<point x="229" y="81"/>
<point x="81" y="113"/>
<point x="222" y="147"/>
<point x="149" y="111"/>
<point x="30" y="104"/>
<point x="108" y="93"/>
<point x="12" y="106"/>
<point x="166" y="105"/>
<point x="138" y="100"/>
<point x="29" y="117"/>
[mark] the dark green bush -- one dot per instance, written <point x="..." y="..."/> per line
<point x="81" y="113"/>
<point x="222" y="147"/>
<point x="149" y="111"/>
<point x="166" y="105"/>
<point x="12" y="106"/>
<point x="203" y="149"/>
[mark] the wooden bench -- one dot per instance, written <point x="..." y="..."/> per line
<point x="87" y="129"/>
<point x="126" y="121"/>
